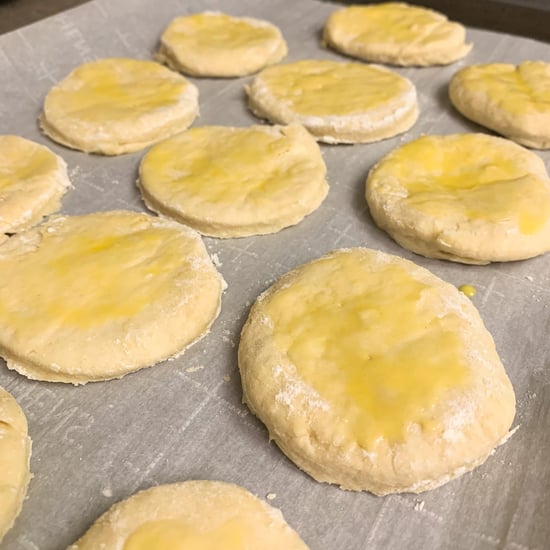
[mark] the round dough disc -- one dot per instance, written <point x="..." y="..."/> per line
<point x="219" y="45"/>
<point x="15" y="453"/>
<point x="94" y="297"/>
<point x="233" y="182"/>
<point x="115" y="106"/>
<point x="32" y="182"/>
<point x="396" y="33"/>
<point x="511" y="100"/>
<point x="189" y="515"/>
<point x="372" y="373"/>
<point x="336" y="102"/>
<point x="469" y="198"/>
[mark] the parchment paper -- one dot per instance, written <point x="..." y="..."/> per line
<point x="183" y="419"/>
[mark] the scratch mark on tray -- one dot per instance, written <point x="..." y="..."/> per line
<point x="27" y="544"/>
<point x="123" y="38"/>
<point x="518" y="546"/>
<point x="101" y="9"/>
<point x="5" y="61"/>
<point x="376" y="524"/>
<point x="201" y="406"/>
<point x="421" y="509"/>
<point x="243" y="252"/>
<point x="23" y="38"/>
<point x="44" y="73"/>
<point x="344" y="233"/>
<point x="488" y="292"/>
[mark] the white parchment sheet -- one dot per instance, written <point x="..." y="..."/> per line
<point x="183" y="419"/>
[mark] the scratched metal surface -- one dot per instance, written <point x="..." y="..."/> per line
<point x="97" y="444"/>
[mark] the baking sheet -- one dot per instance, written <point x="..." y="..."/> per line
<point x="183" y="419"/>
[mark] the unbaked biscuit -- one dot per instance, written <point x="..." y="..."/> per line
<point x="396" y="33"/>
<point x="114" y="106"/>
<point x="336" y="102"/>
<point x="15" y="453"/>
<point x="372" y="373"/>
<point x="219" y="45"/>
<point x="511" y="100"/>
<point x="93" y="297"/>
<point x="233" y="182"/>
<point x="469" y="198"/>
<point x="192" y="514"/>
<point x="32" y="181"/>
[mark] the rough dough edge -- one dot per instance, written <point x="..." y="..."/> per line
<point x="420" y="486"/>
<point x="436" y="55"/>
<point x="333" y="129"/>
<point x="167" y="56"/>
<point x="222" y="230"/>
<point x="437" y="248"/>
<point x="34" y="372"/>
<point x="135" y="503"/>
<point x="52" y="200"/>
<point x="304" y="460"/>
<point x="185" y="112"/>
<point x="463" y="100"/>
<point x="28" y="477"/>
<point x="107" y="148"/>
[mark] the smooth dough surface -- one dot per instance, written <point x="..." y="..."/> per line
<point x="396" y="33"/>
<point x="337" y="102"/>
<point x="117" y="105"/>
<point x="218" y="45"/>
<point x="513" y="100"/>
<point x="192" y="515"/>
<point x="15" y="453"/>
<point x="93" y="297"/>
<point x="32" y="181"/>
<point x="469" y="198"/>
<point x="372" y="373"/>
<point x="233" y="182"/>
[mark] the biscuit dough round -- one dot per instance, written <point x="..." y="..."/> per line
<point x="337" y="102"/>
<point x="218" y="45"/>
<point x="191" y="515"/>
<point x="32" y="181"/>
<point x="93" y="297"/>
<point x="396" y="33"/>
<point x="15" y="453"/>
<point x="372" y="373"/>
<point x="117" y="105"/>
<point x="234" y="182"/>
<point x="469" y="198"/>
<point x="511" y="100"/>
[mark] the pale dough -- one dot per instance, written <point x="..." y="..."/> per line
<point x="511" y="100"/>
<point x="337" y="102"/>
<point x="469" y="198"/>
<point x="192" y="515"/>
<point x="93" y="297"/>
<point x="15" y="453"/>
<point x="372" y="373"/>
<point x="32" y="181"/>
<point x="396" y="33"/>
<point x="117" y="105"/>
<point x="218" y="45"/>
<point x="233" y="182"/>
